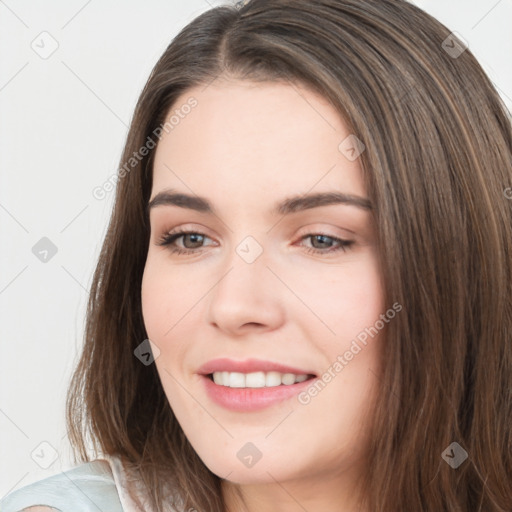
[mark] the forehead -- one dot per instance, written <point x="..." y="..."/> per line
<point x="243" y="137"/>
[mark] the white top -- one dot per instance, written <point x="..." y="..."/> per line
<point x="100" y="485"/>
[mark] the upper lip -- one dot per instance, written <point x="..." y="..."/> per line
<point x="248" y="366"/>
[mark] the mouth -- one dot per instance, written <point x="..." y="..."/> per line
<point x="252" y="385"/>
<point x="257" y="380"/>
<point x="249" y="366"/>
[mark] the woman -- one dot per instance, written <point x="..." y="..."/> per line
<point x="303" y="299"/>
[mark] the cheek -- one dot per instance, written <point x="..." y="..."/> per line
<point x="164" y="303"/>
<point x="156" y="298"/>
<point x="168" y="297"/>
<point x="346" y="298"/>
<point x="362" y="298"/>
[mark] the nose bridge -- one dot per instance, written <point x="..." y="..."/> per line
<point x="245" y="293"/>
<point x="250" y="249"/>
<point x="247" y="273"/>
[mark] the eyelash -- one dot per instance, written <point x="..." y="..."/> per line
<point x="169" y="238"/>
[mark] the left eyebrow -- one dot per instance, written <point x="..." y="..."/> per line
<point x="305" y="202"/>
<point x="289" y="205"/>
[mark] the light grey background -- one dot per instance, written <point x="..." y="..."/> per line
<point x="63" y="121"/>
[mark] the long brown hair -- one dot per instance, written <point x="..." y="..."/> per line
<point x="437" y="165"/>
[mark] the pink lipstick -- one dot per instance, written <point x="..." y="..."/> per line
<point x="252" y="385"/>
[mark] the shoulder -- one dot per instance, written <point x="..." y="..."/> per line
<point x="87" y="487"/>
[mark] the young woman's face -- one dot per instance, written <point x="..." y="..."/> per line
<point x="265" y="291"/>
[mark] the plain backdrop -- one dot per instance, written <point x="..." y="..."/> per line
<point x="70" y="75"/>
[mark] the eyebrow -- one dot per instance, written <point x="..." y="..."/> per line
<point x="289" y="205"/>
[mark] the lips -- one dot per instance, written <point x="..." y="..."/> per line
<point x="249" y="366"/>
<point x="246" y="399"/>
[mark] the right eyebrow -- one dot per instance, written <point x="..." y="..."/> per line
<point x="170" y="198"/>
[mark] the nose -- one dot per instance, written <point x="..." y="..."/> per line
<point x="246" y="297"/>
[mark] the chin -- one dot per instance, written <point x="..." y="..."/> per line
<point x="267" y="469"/>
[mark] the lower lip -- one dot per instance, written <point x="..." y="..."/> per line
<point x="251" y="399"/>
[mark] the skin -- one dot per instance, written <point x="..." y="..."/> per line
<point x="39" y="509"/>
<point x="244" y="147"/>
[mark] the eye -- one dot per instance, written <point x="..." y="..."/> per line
<point x="195" y="238"/>
<point x="339" y="243"/>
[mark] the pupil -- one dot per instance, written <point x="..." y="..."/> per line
<point x="194" y="237"/>
<point x="320" y="237"/>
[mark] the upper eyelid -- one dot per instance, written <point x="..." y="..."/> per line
<point x="181" y="232"/>
<point x="189" y="228"/>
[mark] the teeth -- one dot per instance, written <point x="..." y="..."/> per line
<point x="236" y="380"/>
<point x="272" y="379"/>
<point x="256" y="379"/>
<point x="288" y="378"/>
